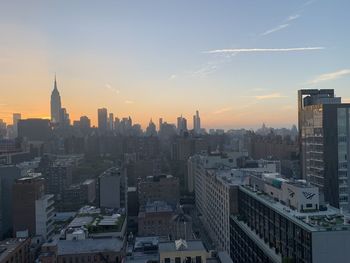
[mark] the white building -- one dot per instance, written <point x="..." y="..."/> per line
<point x="112" y="188"/>
<point x="44" y="213"/>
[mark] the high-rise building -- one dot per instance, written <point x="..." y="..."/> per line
<point x="15" y="117"/>
<point x="181" y="125"/>
<point x="324" y="130"/>
<point x="33" y="210"/>
<point x="8" y="175"/>
<point x="151" y="129"/>
<point x="116" y="124"/>
<point x="102" y="119"/>
<point x="111" y="122"/>
<point x="197" y="123"/>
<point x="64" y="117"/>
<point x="55" y="104"/>
<point x="160" y="124"/>
<point x="85" y="123"/>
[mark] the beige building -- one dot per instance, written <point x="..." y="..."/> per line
<point x="182" y="251"/>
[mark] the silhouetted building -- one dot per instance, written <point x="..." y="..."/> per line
<point x="16" y="117"/>
<point x="34" y="129"/>
<point x="102" y="119"/>
<point x="181" y="125"/>
<point x="8" y="175"/>
<point x="33" y="210"/>
<point x="151" y="129"/>
<point x="85" y="123"/>
<point x="197" y="123"/>
<point x="55" y="104"/>
<point x="111" y="122"/>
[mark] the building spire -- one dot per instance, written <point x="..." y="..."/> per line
<point x="55" y="83"/>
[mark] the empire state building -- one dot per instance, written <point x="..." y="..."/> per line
<point x="55" y="104"/>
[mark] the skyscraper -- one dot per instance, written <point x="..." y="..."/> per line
<point x="55" y="104"/>
<point x="102" y="119"/>
<point x="324" y="129"/>
<point x="16" y="117"/>
<point x="196" y="123"/>
<point x="181" y="125"/>
<point x="111" y="122"/>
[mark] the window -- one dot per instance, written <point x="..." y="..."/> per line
<point x="198" y="259"/>
<point x="177" y="260"/>
<point x="308" y="205"/>
<point x="167" y="260"/>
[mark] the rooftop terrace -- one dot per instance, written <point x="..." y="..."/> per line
<point x="331" y="219"/>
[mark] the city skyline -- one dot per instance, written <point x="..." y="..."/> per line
<point x="226" y="44"/>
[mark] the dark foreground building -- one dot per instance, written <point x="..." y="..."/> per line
<point x="283" y="222"/>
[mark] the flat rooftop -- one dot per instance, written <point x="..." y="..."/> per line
<point x="329" y="220"/>
<point x="71" y="247"/>
<point x="158" y="206"/>
<point x="231" y="177"/>
<point x="192" y="245"/>
<point x="80" y="221"/>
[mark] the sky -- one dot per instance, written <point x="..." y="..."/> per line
<point x="240" y="63"/>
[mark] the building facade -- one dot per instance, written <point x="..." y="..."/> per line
<point x="33" y="210"/>
<point x="102" y="119"/>
<point x="324" y="128"/>
<point x="112" y="188"/>
<point x="282" y="221"/>
<point x="159" y="188"/>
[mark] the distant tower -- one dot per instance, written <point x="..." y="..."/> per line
<point x="55" y="104"/>
<point x="102" y="119"/>
<point x="196" y="123"/>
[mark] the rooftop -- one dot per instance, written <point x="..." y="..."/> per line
<point x="230" y="176"/>
<point x="332" y="219"/>
<point x="158" y="206"/>
<point x="80" y="221"/>
<point x="189" y="245"/>
<point x="70" y="247"/>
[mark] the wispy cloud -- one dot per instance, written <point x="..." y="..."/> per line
<point x="269" y="96"/>
<point x="223" y="110"/>
<point x="293" y="17"/>
<point x="109" y="86"/>
<point x="329" y="76"/>
<point x="129" y="102"/>
<point x="246" y="50"/>
<point x="288" y="21"/>
<point x="275" y="29"/>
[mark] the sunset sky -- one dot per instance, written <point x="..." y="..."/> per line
<point x="240" y="63"/>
